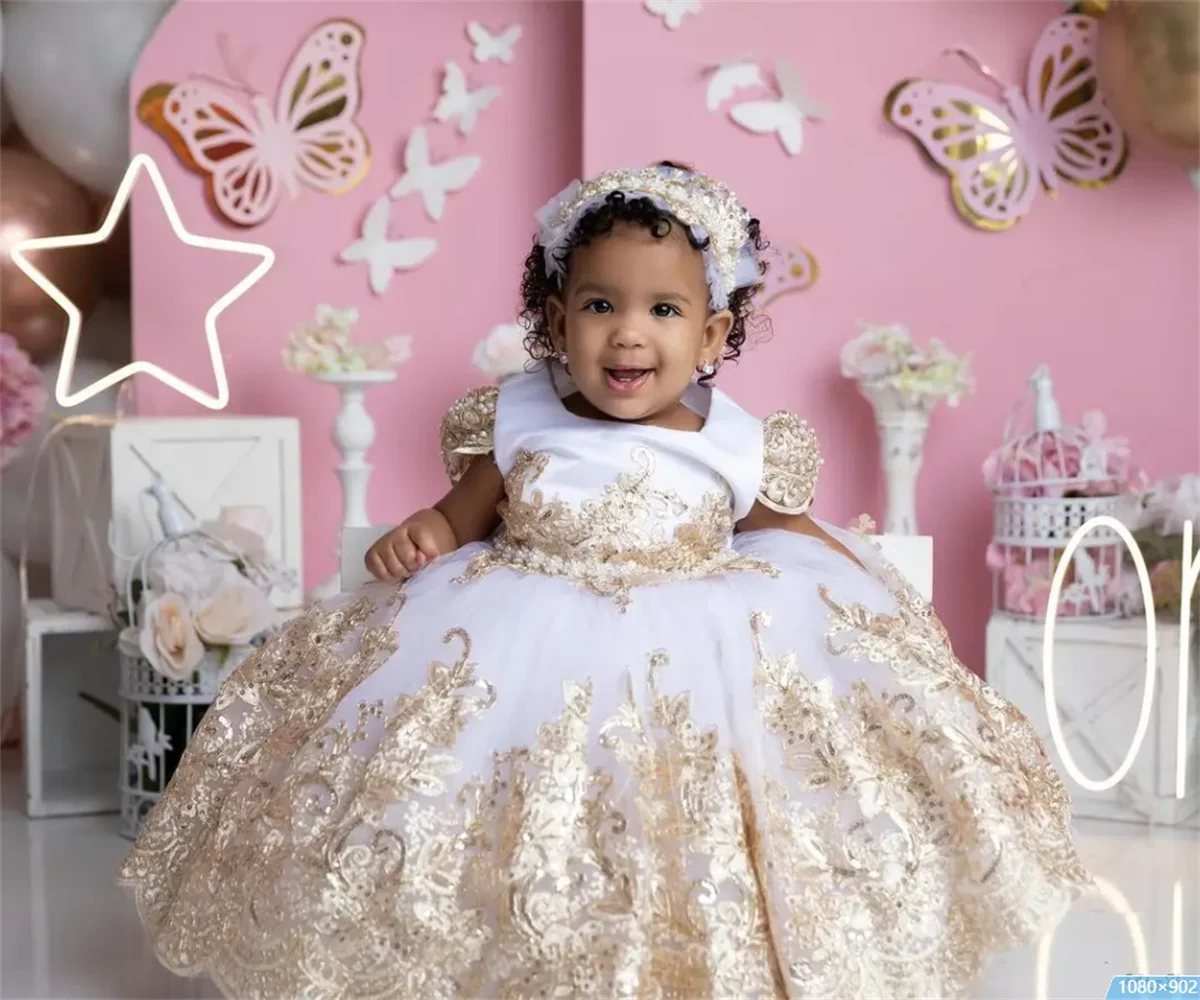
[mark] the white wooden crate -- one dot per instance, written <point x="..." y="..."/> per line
<point x="211" y="462"/>
<point x="1099" y="678"/>
<point x="72" y="750"/>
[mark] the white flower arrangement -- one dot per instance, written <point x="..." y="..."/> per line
<point x="885" y="357"/>
<point x="204" y="598"/>
<point x="323" y="347"/>
<point x="501" y="354"/>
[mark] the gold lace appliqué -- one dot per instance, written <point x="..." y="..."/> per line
<point x="918" y="829"/>
<point x="466" y="430"/>
<point x="354" y="861"/>
<point x="633" y="535"/>
<point x="791" y="462"/>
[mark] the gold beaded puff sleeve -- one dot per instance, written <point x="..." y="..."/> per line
<point x="791" y="462"/>
<point x="466" y="430"/>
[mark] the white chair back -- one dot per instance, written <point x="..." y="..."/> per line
<point x="912" y="555"/>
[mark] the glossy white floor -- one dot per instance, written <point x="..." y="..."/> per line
<point x="69" y="932"/>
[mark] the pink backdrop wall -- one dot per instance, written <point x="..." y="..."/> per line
<point x="1100" y="285"/>
<point x="530" y="144"/>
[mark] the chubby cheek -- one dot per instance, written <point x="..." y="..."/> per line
<point x="586" y="339"/>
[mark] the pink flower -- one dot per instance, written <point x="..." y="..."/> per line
<point x="387" y="353"/>
<point x="997" y="557"/>
<point x="1027" y="588"/>
<point x="23" y="398"/>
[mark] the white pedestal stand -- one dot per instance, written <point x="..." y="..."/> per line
<point x="353" y="433"/>
<point x="902" y="424"/>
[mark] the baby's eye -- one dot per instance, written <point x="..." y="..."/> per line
<point x="597" y="306"/>
<point x="664" y="309"/>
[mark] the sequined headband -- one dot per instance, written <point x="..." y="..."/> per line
<point x="707" y="207"/>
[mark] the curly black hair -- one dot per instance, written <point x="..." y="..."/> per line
<point x="537" y="286"/>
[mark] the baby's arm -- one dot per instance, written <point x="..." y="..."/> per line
<point x="762" y="518"/>
<point x="468" y="513"/>
<point x="791" y="463"/>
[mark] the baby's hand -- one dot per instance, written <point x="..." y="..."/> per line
<point x="410" y="547"/>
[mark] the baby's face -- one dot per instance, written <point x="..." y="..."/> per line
<point x="635" y="322"/>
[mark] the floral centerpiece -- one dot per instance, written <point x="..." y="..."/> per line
<point x="322" y="350"/>
<point x="886" y="359"/>
<point x="204" y="600"/>
<point x="903" y="383"/>
<point x="23" y="398"/>
<point x="1156" y="514"/>
<point x="323" y="346"/>
<point x="196" y="605"/>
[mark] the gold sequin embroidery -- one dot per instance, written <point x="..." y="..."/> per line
<point x="917" y="828"/>
<point x="617" y="541"/>
<point x="466" y="430"/>
<point x="791" y="462"/>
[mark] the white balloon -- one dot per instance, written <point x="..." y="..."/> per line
<point x="5" y="111"/>
<point x="14" y="482"/>
<point x="66" y="70"/>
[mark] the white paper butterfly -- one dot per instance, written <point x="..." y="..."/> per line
<point x="673" y="11"/>
<point x="432" y="180"/>
<point x="150" y="745"/>
<point x="785" y="116"/>
<point x="728" y="78"/>
<point x="489" y="46"/>
<point x="384" y="256"/>
<point x="457" y="102"/>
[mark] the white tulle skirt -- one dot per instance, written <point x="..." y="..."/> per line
<point x="743" y="786"/>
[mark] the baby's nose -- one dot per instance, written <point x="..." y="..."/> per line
<point x="628" y="334"/>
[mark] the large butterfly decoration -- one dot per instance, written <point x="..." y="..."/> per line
<point x="996" y="154"/>
<point x="250" y="154"/>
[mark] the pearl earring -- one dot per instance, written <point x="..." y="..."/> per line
<point x="707" y="369"/>
<point x="561" y="357"/>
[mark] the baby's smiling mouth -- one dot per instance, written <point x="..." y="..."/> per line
<point x="626" y="379"/>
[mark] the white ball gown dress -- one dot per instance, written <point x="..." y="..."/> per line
<point x="619" y="751"/>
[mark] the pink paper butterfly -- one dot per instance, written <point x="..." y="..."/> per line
<point x="1059" y="127"/>
<point x="796" y="271"/>
<point x="250" y="156"/>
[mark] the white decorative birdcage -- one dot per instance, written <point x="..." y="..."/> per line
<point x="158" y="717"/>
<point x="1048" y="481"/>
<point x="197" y="607"/>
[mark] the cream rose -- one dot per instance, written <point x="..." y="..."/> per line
<point x="168" y="639"/>
<point x="233" y="615"/>
<point x="502" y="352"/>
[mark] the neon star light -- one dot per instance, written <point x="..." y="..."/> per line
<point x="62" y="388"/>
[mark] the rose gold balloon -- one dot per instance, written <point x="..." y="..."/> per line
<point x="1148" y="62"/>
<point x="36" y="200"/>
<point x="114" y="252"/>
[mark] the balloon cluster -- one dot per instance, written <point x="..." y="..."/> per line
<point x="64" y="146"/>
